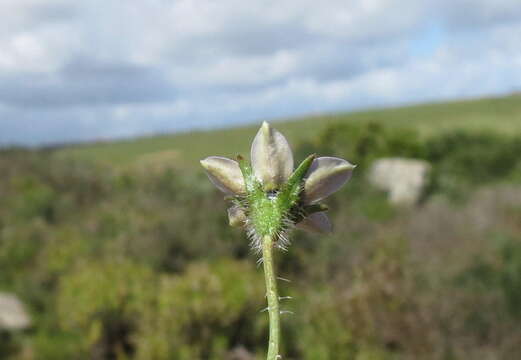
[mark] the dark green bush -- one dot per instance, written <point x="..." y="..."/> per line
<point x="461" y="160"/>
<point x="363" y="143"/>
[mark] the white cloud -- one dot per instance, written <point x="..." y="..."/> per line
<point x="170" y="65"/>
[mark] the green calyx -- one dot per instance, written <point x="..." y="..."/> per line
<point x="269" y="211"/>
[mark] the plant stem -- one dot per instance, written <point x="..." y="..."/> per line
<point x="273" y="298"/>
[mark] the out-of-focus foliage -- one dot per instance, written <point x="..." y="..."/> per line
<point x="460" y="159"/>
<point x="202" y="313"/>
<point x="139" y="263"/>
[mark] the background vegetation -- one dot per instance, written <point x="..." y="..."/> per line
<point x="122" y="250"/>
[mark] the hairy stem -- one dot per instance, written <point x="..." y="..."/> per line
<point x="273" y="298"/>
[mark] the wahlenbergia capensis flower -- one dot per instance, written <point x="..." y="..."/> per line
<point x="269" y="197"/>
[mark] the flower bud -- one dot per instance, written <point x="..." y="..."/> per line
<point x="236" y="216"/>
<point x="225" y="174"/>
<point x="325" y="176"/>
<point x="271" y="157"/>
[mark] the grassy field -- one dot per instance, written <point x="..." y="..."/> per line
<point x="495" y="114"/>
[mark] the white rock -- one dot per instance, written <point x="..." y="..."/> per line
<point x="404" y="179"/>
<point x="12" y="313"/>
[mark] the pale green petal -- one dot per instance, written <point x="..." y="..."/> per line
<point x="325" y="176"/>
<point x="271" y="157"/>
<point x="225" y="174"/>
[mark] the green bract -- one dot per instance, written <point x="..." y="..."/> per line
<point x="269" y="197"/>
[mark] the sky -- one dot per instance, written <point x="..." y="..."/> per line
<point x="101" y="69"/>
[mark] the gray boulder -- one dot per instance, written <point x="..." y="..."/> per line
<point x="404" y="179"/>
<point x="12" y="313"/>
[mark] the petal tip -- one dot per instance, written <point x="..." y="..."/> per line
<point x="345" y="167"/>
<point x="265" y="128"/>
<point x="204" y="162"/>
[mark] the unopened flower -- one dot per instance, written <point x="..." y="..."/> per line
<point x="269" y="196"/>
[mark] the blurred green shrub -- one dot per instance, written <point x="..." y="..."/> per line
<point x="461" y="160"/>
<point x="363" y="143"/>
<point x="499" y="274"/>
<point x="204" y="312"/>
<point x="123" y="310"/>
<point x="477" y="157"/>
<point x="103" y="301"/>
<point x="126" y="263"/>
<point x="34" y="199"/>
